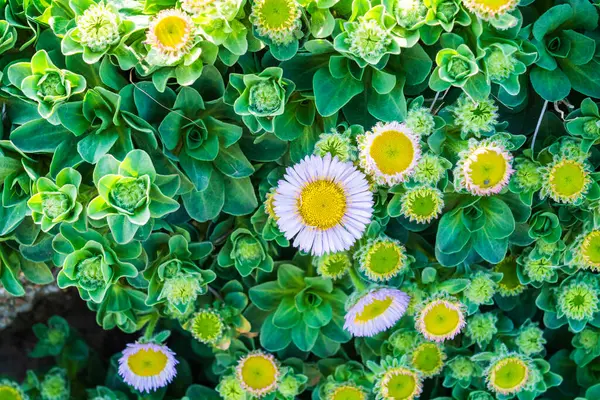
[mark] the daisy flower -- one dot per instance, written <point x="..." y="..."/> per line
<point x="428" y="358"/>
<point x="11" y="391"/>
<point x="389" y="153"/>
<point x="382" y="259"/>
<point x="347" y="391"/>
<point x="484" y="168"/>
<point x="147" y="366"/>
<point x="376" y="311"/>
<point x="587" y="250"/>
<point x="399" y="383"/>
<point x="171" y="34"/>
<point x="490" y="9"/>
<point x="508" y="374"/>
<point x="277" y="20"/>
<point x="258" y="373"/>
<point x="334" y="265"/>
<point x="440" y="319"/>
<point x="566" y="180"/>
<point x="325" y="203"/>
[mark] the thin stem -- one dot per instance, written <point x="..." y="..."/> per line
<point x="151" y="326"/>
<point x="358" y="283"/>
<point x="537" y="127"/>
<point x="437" y="94"/>
<point x="214" y="293"/>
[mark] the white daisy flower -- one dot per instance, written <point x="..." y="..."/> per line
<point x="325" y="203"/>
<point x="147" y="366"/>
<point x="389" y="153"/>
<point x="171" y="35"/>
<point x="258" y="373"/>
<point x="376" y="312"/>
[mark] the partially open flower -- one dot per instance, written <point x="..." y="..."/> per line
<point x="389" y="153"/>
<point x="171" y="35"/>
<point x="490" y="9"/>
<point x="230" y="388"/>
<point x="566" y="180"/>
<point x="481" y="289"/>
<point x="440" y="319"/>
<point x="207" y="326"/>
<point x="475" y="117"/>
<point x="334" y="265"/>
<point x="430" y="169"/>
<point x="147" y="366"/>
<point x="578" y="299"/>
<point x="588" y="339"/>
<point x="277" y="20"/>
<point x="508" y="374"/>
<point x="382" y="259"/>
<point x="376" y="311"/>
<point x="56" y="385"/>
<point x="369" y="40"/>
<point x="527" y="176"/>
<point x="462" y="368"/>
<point x="11" y="391"/>
<point x="99" y="27"/>
<point x="409" y="13"/>
<point x="587" y="250"/>
<point x="337" y="144"/>
<point x="539" y="270"/>
<point x="347" y="391"/>
<point x="428" y="358"/>
<point x="420" y="121"/>
<point x="325" y="203"/>
<point x="484" y="168"/>
<point x="482" y="328"/>
<point x="258" y="373"/>
<point x="530" y="339"/>
<point x="422" y="204"/>
<point x="399" y="383"/>
<point x="510" y="284"/>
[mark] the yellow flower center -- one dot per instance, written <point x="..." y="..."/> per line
<point x="509" y="375"/>
<point x="509" y="284"/>
<point x="384" y="260"/>
<point x="441" y="320"/>
<point x="147" y="362"/>
<point x="373" y="310"/>
<point x="392" y="151"/>
<point x="400" y="384"/>
<point x="488" y="169"/>
<point x="259" y="372"/>
<point x="348" y="393"/>
<point x="172" y="32"/>
<point x="493" y="6"/>
<point x="9" y="393"/>
<point x="322" y="204"/>
<point x="568" y="179"/>
<point x="277" y="15"/>
<point x="270" y="207"/>
<point x="427" y="358"/>
<point x="591" y="248"/>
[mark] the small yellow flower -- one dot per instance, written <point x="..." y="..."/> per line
<point x="566" y="180"/>
<point x="428" y="358"/>
<point x="258" y="373"/>
<point x="399" y="384"/>
<point x="171" y="34"/>
<point x="508" y="375"/>
<point x="490" y="9"/>
<point x="510" y="284"/>
<point x="440" y="319"/>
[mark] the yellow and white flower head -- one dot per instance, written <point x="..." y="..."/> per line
<point x="346" y="391"/>
<point x="382" y="258"/>
<point x="509" y="373"/>
<point x="440" y="318"/>
<point x="324" y="203"/>
<point x="422" y="204"/>
<point x="376" y="311"/>
<point x="399" y="383"/>
<point x="490" y="9"/>
<point x="171" y="35"/>
<point x="484" y="168"/>
<point x="566" y="179"/>
<point x="147" y="366"/>
<point x="428" y="358"/>
<point x="587" y="250"/>
<point x="389" y="153"/>
<point x="258" y="373"/>
<point x="277" y="20"/>
<point x="11" y="391"/>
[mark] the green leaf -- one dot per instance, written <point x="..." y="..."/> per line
<point x="39" y="136"/>
<point x="240" y="198"/>
<point x="331" y="94"/>
<point x="207" y="204"/>
<point x="551" y="85"/>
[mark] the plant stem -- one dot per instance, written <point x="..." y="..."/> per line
<point x="358" y="283"/>
<point x="537" y="127"/>
<point x="151" y="326"/>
